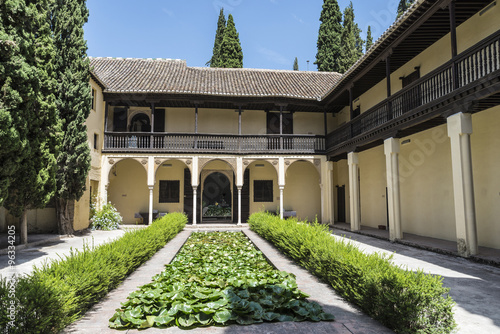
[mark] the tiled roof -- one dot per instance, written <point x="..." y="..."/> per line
<point x="131" y="75"/>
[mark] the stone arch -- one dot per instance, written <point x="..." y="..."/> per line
<point x="315" y="162"/>
<point x="302" y="192"/>
<point x="202" y="162"/>
<point x="128" y="188"/>
<point x="159" y="161"/>
<point x="222" y="186"/>
<point x="274" y="162"/>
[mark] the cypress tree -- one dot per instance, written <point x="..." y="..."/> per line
<point x="219" y="35"/>
<point x="348" y="49"/>
<point x="296" y="64"/>
<point x="403" y="6"/>
<point x="330" y="30"/>
<point x="369" y="38"/>
<point x="74" y="104"/>
<point x="33" y="185"/>
<point x="231" y="54"/>
<point x="16" y="96"/>
<point x="358" y="40"/>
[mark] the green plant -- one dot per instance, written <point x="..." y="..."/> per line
<point x="107" y="218"/>
<point x="217" y="211"/>
<point x="405" y="301"/>
<point x="59" y="292"/>
<point x="217" y="278"/>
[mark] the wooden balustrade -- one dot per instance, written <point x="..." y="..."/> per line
<point x="188" y="142"/>
<point x="472" y="65"/>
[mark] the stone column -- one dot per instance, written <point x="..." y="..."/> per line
<point x="194" y="184"/>
<point x="281" y="182"/>
<point x="195" y="191"/>
<point x="239" y="204"/>
<point x="391" y="150"/>
<point x="459" y="131"/>
<point x="355" y="209"/>
<point x="150" y="204"/>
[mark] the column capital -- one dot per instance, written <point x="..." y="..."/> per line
<point x="459" y="123"/>
<point x="391" y="145"/>
<point x="151" y="187"/>
<point x="352" y="158"/>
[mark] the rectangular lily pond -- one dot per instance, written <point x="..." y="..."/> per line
<point x="217" y="278"/>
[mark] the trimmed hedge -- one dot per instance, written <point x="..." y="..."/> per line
<point x="405" y="301"/>
<point x="59" y="292"/>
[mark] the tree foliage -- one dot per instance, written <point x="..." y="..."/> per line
<point x="369" y="38"/>
<point x="296" y="64"/>
<point x="403" y="6"/>
<point x="330" y="31"/>
<point x="219" y="35"/>
<point x="33" y="185"/>
<point x="74" y="104"/>
<point x="231" y="54"/>
<point x="349" y="51"/>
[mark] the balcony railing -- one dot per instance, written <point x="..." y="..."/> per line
<point x="470" y="66"/>
<point x="213" y="143"/>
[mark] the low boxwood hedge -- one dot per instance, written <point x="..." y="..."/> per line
<point x="60" y="292"/>
<point x="403" y="300"/>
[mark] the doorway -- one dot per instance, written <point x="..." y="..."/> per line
<point x="341" y="204"/>
<point x="216" y="198"/>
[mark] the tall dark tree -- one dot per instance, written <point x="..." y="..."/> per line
<point x="369" y="38"/>
<point x="74" y="103"/>
<point x="219" y="35"/>
<point x="359" y="42"/>
<point x="403" y="6"/>
<point x="296" y="64"/>
<point x="231" y="54"/>
<point x="348" y="49"/>
<point x="33" y="185"/>
<point x="330" y="30"/>
<point x="16" y="78"/>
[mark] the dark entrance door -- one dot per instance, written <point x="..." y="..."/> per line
<point x="341" y="203"/>
<point x="216" y="199"/>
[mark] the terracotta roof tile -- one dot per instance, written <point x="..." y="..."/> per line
<point x="131" y="75"/>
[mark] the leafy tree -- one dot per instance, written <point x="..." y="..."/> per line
<point x="33" y="185"/>
<point x="74" y="103"/>
<point x="359" y="42"/>
<point x="231" y="54"/>
<point x="330" y="30"/>
<point x="369" y="38"/>
<point x="296" y="64"/>
<point x="348" y="49"/>
<point x="219" y="35"/>
<point x="403" y="6"/>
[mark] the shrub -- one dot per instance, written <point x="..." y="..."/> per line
<point x="107" y="218"/>
<point x="57" y="293"/>
<point x="405" y="301"/>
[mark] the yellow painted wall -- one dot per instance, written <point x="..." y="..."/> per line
<point x="128" y="190"/>
<point x="267" y="172"/>
<point x="308" y="123"/>
<point x="372" y="187"/>
<point x="340" y="178"/>
<point x="485" y="141"/>
<point x="179" y="120"/>
<point x="173" y="172"/>
<point x="427" y="203"/>
<point x="477" y="28"/>
<point x="302" y="192"/>
<point x="217" y="121"/>
<point x="253" y="122"/>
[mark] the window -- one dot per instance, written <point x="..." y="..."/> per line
<point x="94" y="96"/>
<point x="96" y="141"/>
<point x="169" y="191"/>
<point x="263" y="190"/>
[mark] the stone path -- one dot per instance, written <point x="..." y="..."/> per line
<point x="348" y="318"/>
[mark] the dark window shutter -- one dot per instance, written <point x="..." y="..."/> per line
<point x="263" y="190"/>
<point x="159" y="120"/>
<point x="169" y="191"/>
<point x="120" y="120"/>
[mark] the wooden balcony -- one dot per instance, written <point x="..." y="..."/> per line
<point x="471" y="76"/>
<point x="212" y="143"/>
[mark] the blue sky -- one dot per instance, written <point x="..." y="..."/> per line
<point x="272" y="32"/>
